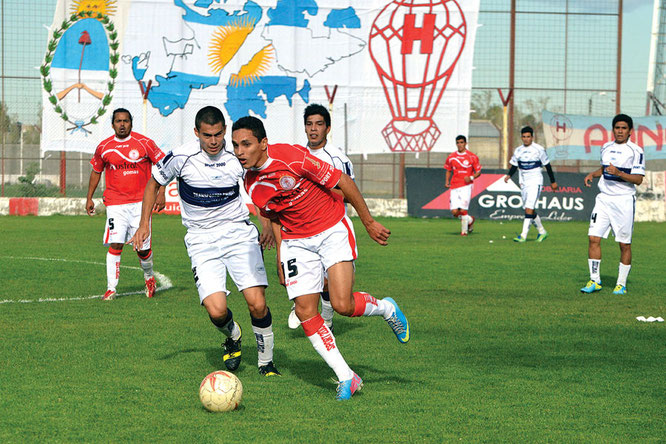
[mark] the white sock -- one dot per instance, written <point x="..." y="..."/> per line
<point x="622" y="274"/>
<point x="112" y="270"/>
<point x="595" y="269"/>
<point x="526" y="227"/>
<point x="464" y="221"/>
<point x="230" y="329"/>
<point x="323" y="341"/>
<point x="265" y="342"/>
<point x="326" y="311"/>
<point x="371" y="306"/>
<point x="147" y="266"/>
<point x="539" y="225"/>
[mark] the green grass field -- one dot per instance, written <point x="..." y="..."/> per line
<point x="503" y="345"/>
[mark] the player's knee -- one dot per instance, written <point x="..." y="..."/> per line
<point x="455" y="212"/>
<point x="258" y="308"/>
<point x="117" y="246"/>
<point x="144" y="254"/>
<point x="343" y="306"/>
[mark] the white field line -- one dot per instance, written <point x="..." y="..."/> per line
<point x="163" y="282"/>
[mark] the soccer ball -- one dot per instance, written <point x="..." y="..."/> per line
<point x="220" y="391"/>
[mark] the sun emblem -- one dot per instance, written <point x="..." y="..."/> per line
<point x="106" y="7"/>
<point x="134" y="154"/>
<point x="255" y="68"/>
<point x="226" y="42"/>
<point x="287" y="182"/>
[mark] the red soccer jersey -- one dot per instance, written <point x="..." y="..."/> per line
<point x="127" y="165"/>
<point x="294" y="187"/>
<point x="461" y="165"/>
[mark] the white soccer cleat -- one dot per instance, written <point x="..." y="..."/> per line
<point x="293" y="320"/>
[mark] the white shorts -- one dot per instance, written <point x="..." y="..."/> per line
<point x="122" y="221"/>
<point x="460" y="197"/>
<point x="530" y="193"/>
<point x="305" y="261"/>
<point x="233" y="247"/>
<point x="613" y="212"/>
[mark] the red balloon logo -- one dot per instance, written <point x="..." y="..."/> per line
<point x="414" y="80"/>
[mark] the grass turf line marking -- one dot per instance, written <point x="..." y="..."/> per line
<point x="164" y="283"/>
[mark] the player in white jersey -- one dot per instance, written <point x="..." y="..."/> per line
<point x="220" y="237"/>
<point x="317" y="121"/>
<point x="622" y="168"/>
<point x="528" y="159"/>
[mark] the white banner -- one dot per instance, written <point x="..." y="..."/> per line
<point x="399" y="73"/>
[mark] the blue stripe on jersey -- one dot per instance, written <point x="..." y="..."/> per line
<point x="529" y="165"/>
<point x="615" y="178"/>
<point x="206" y="197"/>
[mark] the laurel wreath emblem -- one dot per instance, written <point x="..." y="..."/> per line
<point x="45" y="69"/>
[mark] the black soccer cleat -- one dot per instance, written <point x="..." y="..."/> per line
<point x="232" y="353"/>
<point x="269" y="370"/>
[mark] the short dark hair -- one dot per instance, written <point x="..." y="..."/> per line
<point x="623" y="118"/>
<point x="461" y="137"/>
<point x="209" y="115"/>
<point x="251" y="123"/>
<point x="120" y="110"/>
<point x="316" y="108"/>
<point x="527" y="129"/>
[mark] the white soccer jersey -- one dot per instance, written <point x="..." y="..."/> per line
<point x="529" y="160"/>
<point x="334" y="156"/>
<point x="626" y="157"/>
<point x="208" y="186"/>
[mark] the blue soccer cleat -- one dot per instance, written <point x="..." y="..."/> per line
<point x="520" y="239"/>
<point x="398" y="322"/>
<point x="542" y="236"/>
<point x="620" y="289"/>
<point x="347" y="388"/>
<point x="591" y="287"/>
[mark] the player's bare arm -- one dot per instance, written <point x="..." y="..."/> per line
<point x="266" y="237"/>
<point x="596" y="173"/>
<point x="636" y="179"/>
<point x="92" y="186"/>
<point x="377" y="231"/>
<point x="448" y="179"/>
<point x="160" y="201"/>
<point x="149" y="197"/>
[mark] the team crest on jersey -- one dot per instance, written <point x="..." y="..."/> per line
<point x="287" y="182"/>
<point x="134" y="154"/>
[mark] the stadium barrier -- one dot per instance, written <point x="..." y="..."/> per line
<point x="494" y="199"/>
<point x="426" y="197"/>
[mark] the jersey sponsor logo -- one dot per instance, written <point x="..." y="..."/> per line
<point x="287" y="182"/>
<point x="214" y="165"/>
<point x="207" y="197"/>
<point x="123" y="166"/>
<point x="130" y="172"/>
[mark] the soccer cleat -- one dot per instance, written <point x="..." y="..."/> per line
<point x="470" y="227"/>
<point x="232" y="352"/>
<point x="542" y="236"/>
<point x="463" y="234"/>
<point x="398" y="322"/>
<point x="151" y="286"/>
<point x="520" y="239"/>
<point x="109" y="295"/>
<point x="269" y="370"/>
<point x="620" y="289"/>
<point x="591" y="287"/>
<point x="292" y="321"/>
<point x="347" y="388"/>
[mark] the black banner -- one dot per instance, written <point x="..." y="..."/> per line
<point x="494" y="199"/>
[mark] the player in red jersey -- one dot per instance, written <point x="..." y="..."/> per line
<point x="464" y="166"/>
<point x="126" y="159"/>
<point x="293" y="189"/>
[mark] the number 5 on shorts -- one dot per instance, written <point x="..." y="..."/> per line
<point x="291" y="268"/>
